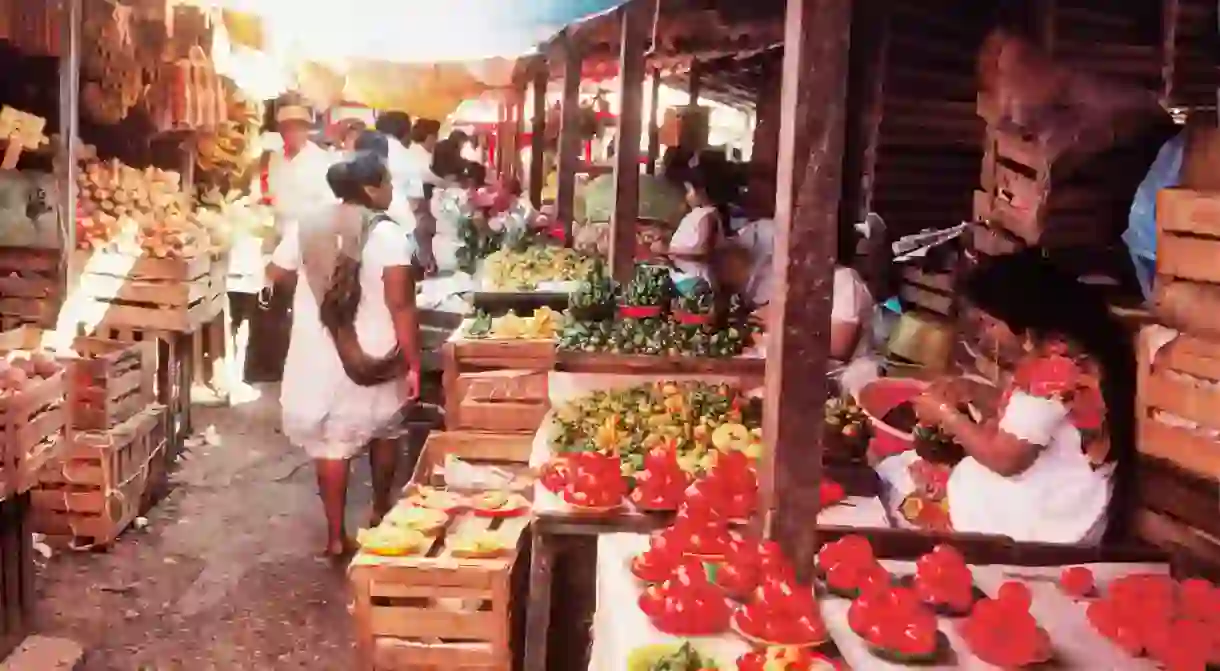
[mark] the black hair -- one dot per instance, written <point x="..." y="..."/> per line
<point x="447" y="159"/>
<point x="712" y="179"/>
<point x="459" y="137"/>
<point x="1032" y="295"/>
<point x="475" y="172"/>
<point x="349" y="178"/>
<point x="424" y="129"/>
<point x="395" y="124"/>
<point x="675" y="164"/>
<point x="374" y="142"/>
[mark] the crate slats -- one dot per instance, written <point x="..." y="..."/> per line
<point x="1180" y="381"/>
<point x="112" y="289"/>
<point x="30" y="287"/>
<point x="32" y="430"/>
<point x="510" y="452"/>
<point x="95" y="490"/>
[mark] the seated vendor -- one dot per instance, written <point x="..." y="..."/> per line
<point x="1039" y="463"/>
<point x="851" y="311"/>
<point x="689" y="250"/>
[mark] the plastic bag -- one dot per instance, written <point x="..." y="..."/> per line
<point x="1140" y="236"/>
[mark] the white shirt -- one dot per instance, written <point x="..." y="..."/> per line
<point x="298" y="184"/>
<point x="1061" y="498"/>
<point x="415" y="164"/>
<point x="691" y="232"/>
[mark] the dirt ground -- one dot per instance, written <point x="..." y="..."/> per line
<point x="224" y="574"/>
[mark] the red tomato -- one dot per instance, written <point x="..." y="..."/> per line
<point x="918" y="637"/>
<point x="830" y="493"/>
<point x="652" y="601"/>
<point x="1200" y="600"/>
<point x="652" y="566"/>
<point x="874" y="578"/>
<point x="771" y="557"/>
<point x="555" y="474"/>
<point x="844" y="578"/>
<point x="737" y="579"/>
<point x="1015" y="596"/>
<point x="1076" y="581"/>
<point x="1104" y="619"/>
<point x="857" y="550"/>
<point x="752" y="661"/>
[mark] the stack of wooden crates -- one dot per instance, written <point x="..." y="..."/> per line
<point x="112" y="462"/>
<point x="1178" y="403"/>
<point x="174" y="302"/>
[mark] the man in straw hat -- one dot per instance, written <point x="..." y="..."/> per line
<point x="296" y="170"/>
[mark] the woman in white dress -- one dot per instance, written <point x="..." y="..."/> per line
<point x="353" y="360"/>
<point x="1054" y="446"/>
<point x="690" y="248"/>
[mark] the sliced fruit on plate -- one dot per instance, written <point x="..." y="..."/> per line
<point x="499" y="503"/>
<point x="438" y="499"/>
<point x="415" y="518"/>
<point x="482" y="543"/>
<point x="391" y="541"/>
<point x="669" y="657"/>
<point x="785" y="658"/>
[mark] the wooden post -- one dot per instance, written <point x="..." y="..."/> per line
<point x="767" y="119"/>
<point x="696" y="81"/>
<point x="654" y="130"/>
<point x="569" y="136"/>
<point x="516" y="123"/>
<point x="627" y="157"/>
<point x="807" y="214"/>
<point x="542" y="77"/>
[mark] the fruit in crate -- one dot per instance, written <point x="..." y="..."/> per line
<point x="136" y="212"/>
<point x="662" y="484"/>
<point x="632" y="421"/>
<point x="784" y="658"/>
<point x="596" y="481"/>
<point x="944" y="581"/>
<point x="895" y="623"/>
<point x="414" y="518"/>
<point x="687" y="604"/>
<point x="1174" y="623"/>
<point x="781" y="612"/>
<point x="1002" y="632"/>
<point x="390" y="540"/>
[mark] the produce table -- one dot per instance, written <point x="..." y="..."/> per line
<point x="554" y="522"/>
<point x="619" y="626"/>
<point x="748" y="368"/>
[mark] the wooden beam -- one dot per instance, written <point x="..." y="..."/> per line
<point x="817" y="37"/>
<point x="696" y="80"/>
<point x="654" y="127"/>
<point x="635" y="27"/>
<point x="537" y="177"/>
<point x="569" y="138"/>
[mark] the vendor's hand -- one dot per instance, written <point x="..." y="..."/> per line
<point x="411" y="384"/>
<point x="932" y="407"/>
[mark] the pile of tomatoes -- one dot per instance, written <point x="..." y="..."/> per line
<point x="781" y="612"/>
<point x="1003" y="633"/>
<point x="943" y="580"/>
<point x="687" y="604"/>
<point x="662" y="484"/>
<point x="1175" y="623"/>
<point x="895" y="623"/>
<point x="784" y="658"/>
<point x="730" y="487"/>
<point x="745" y="564"/>
<point x="594" y="480"/>
<point x="849" y="567"/>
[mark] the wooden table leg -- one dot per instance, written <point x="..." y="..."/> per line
<point x="538" y="606"/>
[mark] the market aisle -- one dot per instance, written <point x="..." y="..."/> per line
<point x="223" y="576"/>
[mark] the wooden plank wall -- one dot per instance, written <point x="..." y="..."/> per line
<point x="1192" y="49"/>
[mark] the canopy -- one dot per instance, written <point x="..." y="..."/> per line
<point x="411" y="31"/>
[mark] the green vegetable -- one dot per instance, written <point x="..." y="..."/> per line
<point x="699" y="300"/>
<point x="481" y="327"/>
<point x="686" y="658"/>
<point x="650" y="287"/>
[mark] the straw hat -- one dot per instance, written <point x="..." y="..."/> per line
<point x="293" y="113"/>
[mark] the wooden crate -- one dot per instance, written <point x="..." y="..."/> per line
<point x="33" y="422"/>
<point x="94" y="492"/>
<point x="111" y="381"/>
<point x="17" y="595"/>
<point x="461" y="356"/>
<point x="510" y="452"/>
<point x="30" y="285"/>
<point x="437" y="612"/>
<point x="111" y="289"/>
<point x="1176" y="386"/>
<point x="499" y="402"/>
<point x="1188" y="235"/>
<point x="931" y="291"/>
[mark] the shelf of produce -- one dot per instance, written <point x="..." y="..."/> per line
<point x="434" y="609"/>
<point x="95" y="490"/>
<point x="749" y="369"/>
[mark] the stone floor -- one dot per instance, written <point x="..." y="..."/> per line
<point x="223" y="575"/>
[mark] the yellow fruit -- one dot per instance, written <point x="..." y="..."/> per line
<point x="731" y="437"/>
